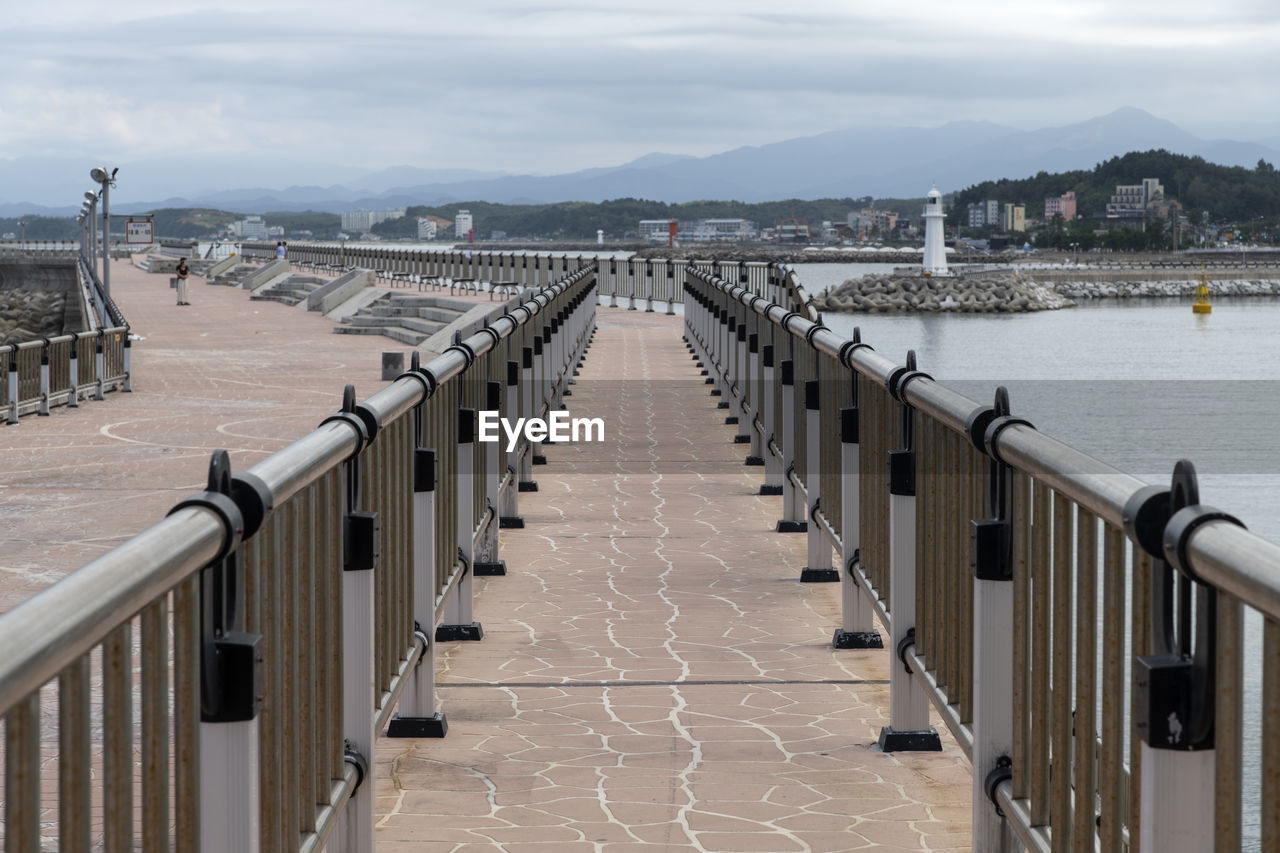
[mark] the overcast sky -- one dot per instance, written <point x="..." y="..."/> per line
<point x="548" y="87"/>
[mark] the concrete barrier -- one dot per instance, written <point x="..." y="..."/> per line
<point x="329" y="296"/>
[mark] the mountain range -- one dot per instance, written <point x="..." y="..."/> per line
<point x="883" y="162"/>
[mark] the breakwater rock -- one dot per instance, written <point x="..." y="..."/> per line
<point x="966" y="295"/>
<point x="28" y="315"/>
<point x="1156" y="289"/>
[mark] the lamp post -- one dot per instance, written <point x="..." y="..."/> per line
<point x="108" y="180"/>
<point x="22" y="236"/>
<point x="91" y="212"/>
<point x="80" y="222"/>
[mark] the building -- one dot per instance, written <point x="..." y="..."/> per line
<point x="463" y="225"/>
<point x="362" y="220"/>
<point x="1064" y="204"/>
<point x="252" y="228"/>
<point x="1015" y="217"/>
<point x="655" y="230"/>
<point x="731" y="230"/>
<point x="792" y="231"/>
<point x="426" y="228"/>
<point x="984" y="214"/>
<point x="869" y="219"/>
<point x="1132" y="200"/>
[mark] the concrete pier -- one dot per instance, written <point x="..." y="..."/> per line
<point x="652" y="673"/>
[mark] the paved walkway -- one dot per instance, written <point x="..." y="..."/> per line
<point x="653" y="675"/>
<point x="225" y="372"/>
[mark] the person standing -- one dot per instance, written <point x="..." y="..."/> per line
<point x="183" y="271"/>
<point x="280" y="250"/>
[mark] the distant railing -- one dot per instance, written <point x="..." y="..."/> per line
<point x="638" y="281"/>
<point x="38" y="249"/>
<point x="1025" y="587"/>
<point x="303" y="599"/>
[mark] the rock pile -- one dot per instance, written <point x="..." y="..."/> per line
<point x="29" y="315"/>
<point x="1156" y="289"/>
<point x="969" y="295"/>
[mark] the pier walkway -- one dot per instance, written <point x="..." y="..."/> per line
<point x="652" y="671"/>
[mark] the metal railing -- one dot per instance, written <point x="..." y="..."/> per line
<point x="289" y="609"/>
<point x="1078" y="630"/>
<point x="637" y="281"/>
<point x="38" y="249"/>
<point x="67" y="369"/>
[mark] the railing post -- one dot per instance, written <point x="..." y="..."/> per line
<point x="529" y="392"/>
<point x="487" y="562"/>
<point x="44" y="378"/>
<point x="231" y="682"/>
<point x="857" y="623"/>
<point x="509" y="501"/>
<point x="458" y="623"/>
<point x="743" y="378"/>
<point x="99" y="367"/>
<point x="792" y="513"/>
<point x="991" y="560"/>
<point x="127" y="386"/>
<point x="1174" y="687"/>
<point x="360" y="537"/>
<point x="773" y="473"/>
<point x="908" y="727"/>
<point x="419" y="715"/>
<point x="73" y="399"/>
<point x="754" y="390"/>
<point x="13" y="384"/>
<point x="819" y="568"/>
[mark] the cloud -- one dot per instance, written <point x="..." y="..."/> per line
<point x="544" y="87"/>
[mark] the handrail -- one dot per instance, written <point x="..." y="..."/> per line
<point x="243" y="538"/>
<point x="1069" y="493"/>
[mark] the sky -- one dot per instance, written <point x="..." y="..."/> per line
<point x="292" y="91"/>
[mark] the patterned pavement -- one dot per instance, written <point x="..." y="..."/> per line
<point x="653" y="675"/>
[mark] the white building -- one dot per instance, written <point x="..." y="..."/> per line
<point x="253" y="228"/>
<point x="362" y="220"/>
<point x="463" y="225"/>
<point x="655" y="230"/>
<point x="935" y="248"/>
<point x="426" y="228"/>
<point x="1132" y="200"/>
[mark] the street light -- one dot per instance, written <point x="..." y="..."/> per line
<point x="22" y="236"/>
<point x="107" y="180"/>
<point x="91" y="211"/>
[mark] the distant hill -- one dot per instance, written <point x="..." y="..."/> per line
<point x="1227" y="193"/>
<point x="899" y="162"/>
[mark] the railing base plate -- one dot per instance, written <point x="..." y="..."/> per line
<point x="532" y="486"/>
<point x="731" y="419"/>
<point x="766" y="489"/>
<point x="450" y="633"/>
<point x="742" y="439"/>
<point x="842" y="639"/>
<point x="491" y="569"/>
<point x="925" y="740"/>
<point x="808" y="575"/>
<point x="792" y="526"/>
<point x="434" y="726"/>
<point x="539" y="460"/>
<point x="511" y="522"/>
<point x="754" y="460"/>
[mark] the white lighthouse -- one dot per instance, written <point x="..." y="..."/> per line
<point x="935" y="249"/>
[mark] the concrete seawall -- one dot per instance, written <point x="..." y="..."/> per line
<point x="38" y="298"/>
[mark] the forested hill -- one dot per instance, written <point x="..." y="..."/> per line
<point x="1228" y="193"/>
